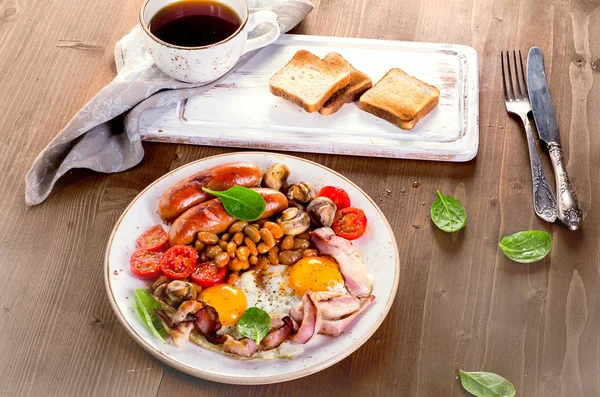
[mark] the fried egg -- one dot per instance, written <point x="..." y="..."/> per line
<point x="316" y="274"/>
<point x="229" y="301"/>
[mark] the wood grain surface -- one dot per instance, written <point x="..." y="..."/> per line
<point x="460" y="305"/>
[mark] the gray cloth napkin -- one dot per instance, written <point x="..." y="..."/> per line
<point x="96" y="137"/>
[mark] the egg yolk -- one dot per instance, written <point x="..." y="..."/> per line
<point x="315" y="274"/>
<point x="229" y="302"/>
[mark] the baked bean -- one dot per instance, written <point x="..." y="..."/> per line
<point x="261" y="222"/>
<point x="256" y="226"/>
<point x="238" y="238"/>
<point x="199" y="245"/>
<point x="304" y="235"/>
<point x="233" y="278"/>
<point x="237" y="226"/>
<point x="300" y="243"/>
<point x="253" y="260"/>
<point x="273" y="256"/>
<point x="202" y="257"/>
<point x="263" y="263"/>
<point x="231" y="248"/>
<point x="222" y="244"/>
<point x="287" y="243"/>
<point x="310" y="252"/>
<point x="235" y="265"/>
<point x="222" y="259"/>
<point x="253" y="233"/>
<point x="242" y="253"/>
<point x="225" y="236"/>
<point x="213" y="251"/>
<point x="262" y="248"/>
<point x="251" y="246"/>
<point x="208" y="238"/>
<point x="289" y="257"/>
<point x="245" y="265"/>
<point x="274" y="228"/>
<point x="267" y="237"/>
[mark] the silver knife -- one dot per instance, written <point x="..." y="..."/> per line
<point x="569" y="211"/>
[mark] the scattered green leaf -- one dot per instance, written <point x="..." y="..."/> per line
<point x="448" y="213"/>
<point x="255" y="324"/>
<point x="145" y="304"/>
<point x="526" y="247"/>
<point x="486" y="384"/>
<point x="241" y="203"/>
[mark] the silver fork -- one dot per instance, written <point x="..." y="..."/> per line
<point x="517" y="102"/>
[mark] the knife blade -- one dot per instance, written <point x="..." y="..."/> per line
<point x="546" y="124"/>
<point x="539" y="95"/>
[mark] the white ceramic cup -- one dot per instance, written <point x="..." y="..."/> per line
<point x="201" y="65"/>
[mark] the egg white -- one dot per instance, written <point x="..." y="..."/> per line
<point x="269" y="290"/>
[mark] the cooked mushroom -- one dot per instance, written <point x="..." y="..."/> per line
<point x="302" y="192"/>
<point x="178" y="291"/>
<point x="293" y="221"/>
<point x="276" y="176"/>
<point x="322" y="211"/>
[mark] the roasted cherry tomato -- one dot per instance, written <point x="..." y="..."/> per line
<point x="153" y="239"/>
<point x="179" y="262"/>
<point x="337" y="195"/>
<point x="145" y="264"/>
<point x="350" y="223"/>
<point x="208" y="274"/>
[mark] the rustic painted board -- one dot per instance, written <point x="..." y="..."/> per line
<point x="241" y="112"/>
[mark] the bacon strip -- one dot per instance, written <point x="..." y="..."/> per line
<point x="311" y="322"/>
<point x="244" y="347"/>
<point x="207" y="321"/>
<point x="187" y="307"/>
<point x="333" y="307"/>
<point x="181" y="333"/>
<point x="277" y="336"/>
<point x="357" y="278"/>
<point x="336" y="327"/>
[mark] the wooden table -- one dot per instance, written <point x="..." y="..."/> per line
<point x="461" y="303"/>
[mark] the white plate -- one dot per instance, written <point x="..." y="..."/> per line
<point x="378" y="248"/>
<point x="449" y="133"/>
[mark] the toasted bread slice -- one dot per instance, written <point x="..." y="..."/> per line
<point x="359" y="83"/>
<point x="308" y="81"/>
<point x="400" y="99"/>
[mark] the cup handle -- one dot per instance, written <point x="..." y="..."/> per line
<point x="256" y="19"/>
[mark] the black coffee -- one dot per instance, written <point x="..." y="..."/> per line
<point x="194" y="23"/>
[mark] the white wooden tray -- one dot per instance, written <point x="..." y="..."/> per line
<point x="241" y="112"/>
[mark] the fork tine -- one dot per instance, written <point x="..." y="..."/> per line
<point x="525" y="92"/>
<point x="518" y="83"/>
<point x="503" y="77"/>
<point x="510" y="79"/>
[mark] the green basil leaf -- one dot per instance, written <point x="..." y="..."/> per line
<point x="255" y="324"/>
<point x="526" y="247"/>
<point x="448" y="213"/>
<point x="486" y="384"/>
<point x="241" y="203"/>
<point x="145" y="304"/>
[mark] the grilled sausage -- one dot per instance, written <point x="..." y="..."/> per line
<point x="188" y="193"/>
<point x="211" y="216"/>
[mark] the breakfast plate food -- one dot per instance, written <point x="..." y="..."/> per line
<point x="227" y="292"/>
<point x="243" y="100"/>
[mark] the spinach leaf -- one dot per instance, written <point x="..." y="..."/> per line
<point x="255" y="324"/>
<point x="486" y="384"/>
<point x="448" y="213"/>
<point x="145" y="304"/>
<point x="526" y="247"/>
<point x="241" y="203"/>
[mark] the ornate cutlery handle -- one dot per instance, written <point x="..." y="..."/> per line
<point x="544" y="202"/>
<point x="569" y="211"/>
